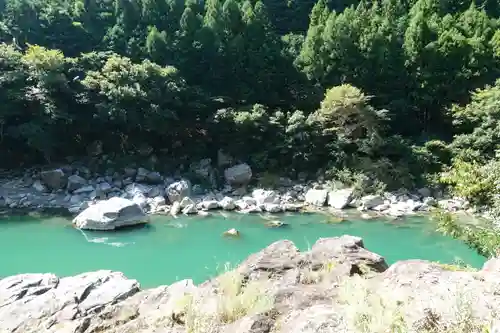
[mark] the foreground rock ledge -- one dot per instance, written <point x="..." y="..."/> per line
<point x="315" y="291"/>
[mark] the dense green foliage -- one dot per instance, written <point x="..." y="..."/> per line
<point x="354" y="88"/>
<point x="484" y="239"/>
<point x="475" y="171"/>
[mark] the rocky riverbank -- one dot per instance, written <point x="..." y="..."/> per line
<point x="76" y="188"/>
<point x="337" y="286"/>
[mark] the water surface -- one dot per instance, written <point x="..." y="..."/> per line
<point x="192" y="247"/>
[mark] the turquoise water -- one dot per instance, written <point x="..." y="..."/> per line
<point x="192" y="247"/>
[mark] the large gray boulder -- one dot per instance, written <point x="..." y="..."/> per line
<point x="75" y="182"/>
<point x="54" y="179"/>
<point x="371" y="201"/>
<point x="238" y="175"/>
<point x="111" y="214"/>
<point x="204" y="170"/>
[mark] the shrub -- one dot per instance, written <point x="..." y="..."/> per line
<point x="470" y="180"/>
<point x="484" y="239"/>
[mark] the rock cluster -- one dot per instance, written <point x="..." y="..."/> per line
<point x="326" y="289"/>
<point x="394" y="204"/>
<point x="76" y="188"/>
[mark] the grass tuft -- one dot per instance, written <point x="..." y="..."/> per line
<point x="234" y="299"/>
<point x="237" y="299"/>
<point x="367" y="311"/>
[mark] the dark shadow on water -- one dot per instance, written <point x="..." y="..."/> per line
<point x="30" y="213"/>
<point x="143" y="227"/>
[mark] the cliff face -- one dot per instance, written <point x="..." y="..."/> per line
<point x="337" y="286"/>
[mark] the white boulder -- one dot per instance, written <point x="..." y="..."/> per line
<point x="273" y="208"/>
<point x="178" y="190"/>
<point x="189" y="209"/>
<point x="209" y="204"/>
<point x="227" y="203"/>
<point x="265" y="197"/>
<point x="341" y="198"/>
<point x="316" y="197"/>
<point x="110" y="214"/>
<point x="176" y="208"/>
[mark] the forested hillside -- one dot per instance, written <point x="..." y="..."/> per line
<point x="372" y="88"/>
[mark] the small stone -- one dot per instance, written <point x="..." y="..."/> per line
<point x="129" y="172"/>
<point x="37" y="185"/>
<point x="105" y="187"/>
<point x="117" y="183"/>
<point x="141" y="175"/>
<point x="154" y="192"/>
<point x="227" y="203"/>
<point x="197" y="189"/>
<point x="265" y="197"/>
<point x="158" y="201"/>
<point x="75" y="199"/>
<point x="140" y="200"/>
<point x="208" y="205"/>
<point x="370" y="201"/>
<point x="273" y="208"/>
<point x="232" y="233"/>
<point x="223" y="159"/>
<point x="187" y="201"/>
<point x="93" y="195"/>
<point x="424" y="192"/>
<point x="85" y="189"/>
<point x="176" y="208"/>
<point x="154" y="177"/>
<point x="84" y="172"/>
<point x="189" y="209"/>
<point x="275" y="224"/>
<point x="251" y="209"/>
<point x="74" y="209"/>
<point x="430" y="201"/>
<point x="291" y="207"/>
<point x="239" y="191"/>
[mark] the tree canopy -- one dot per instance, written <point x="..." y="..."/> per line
<point x="380" y="87"/>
